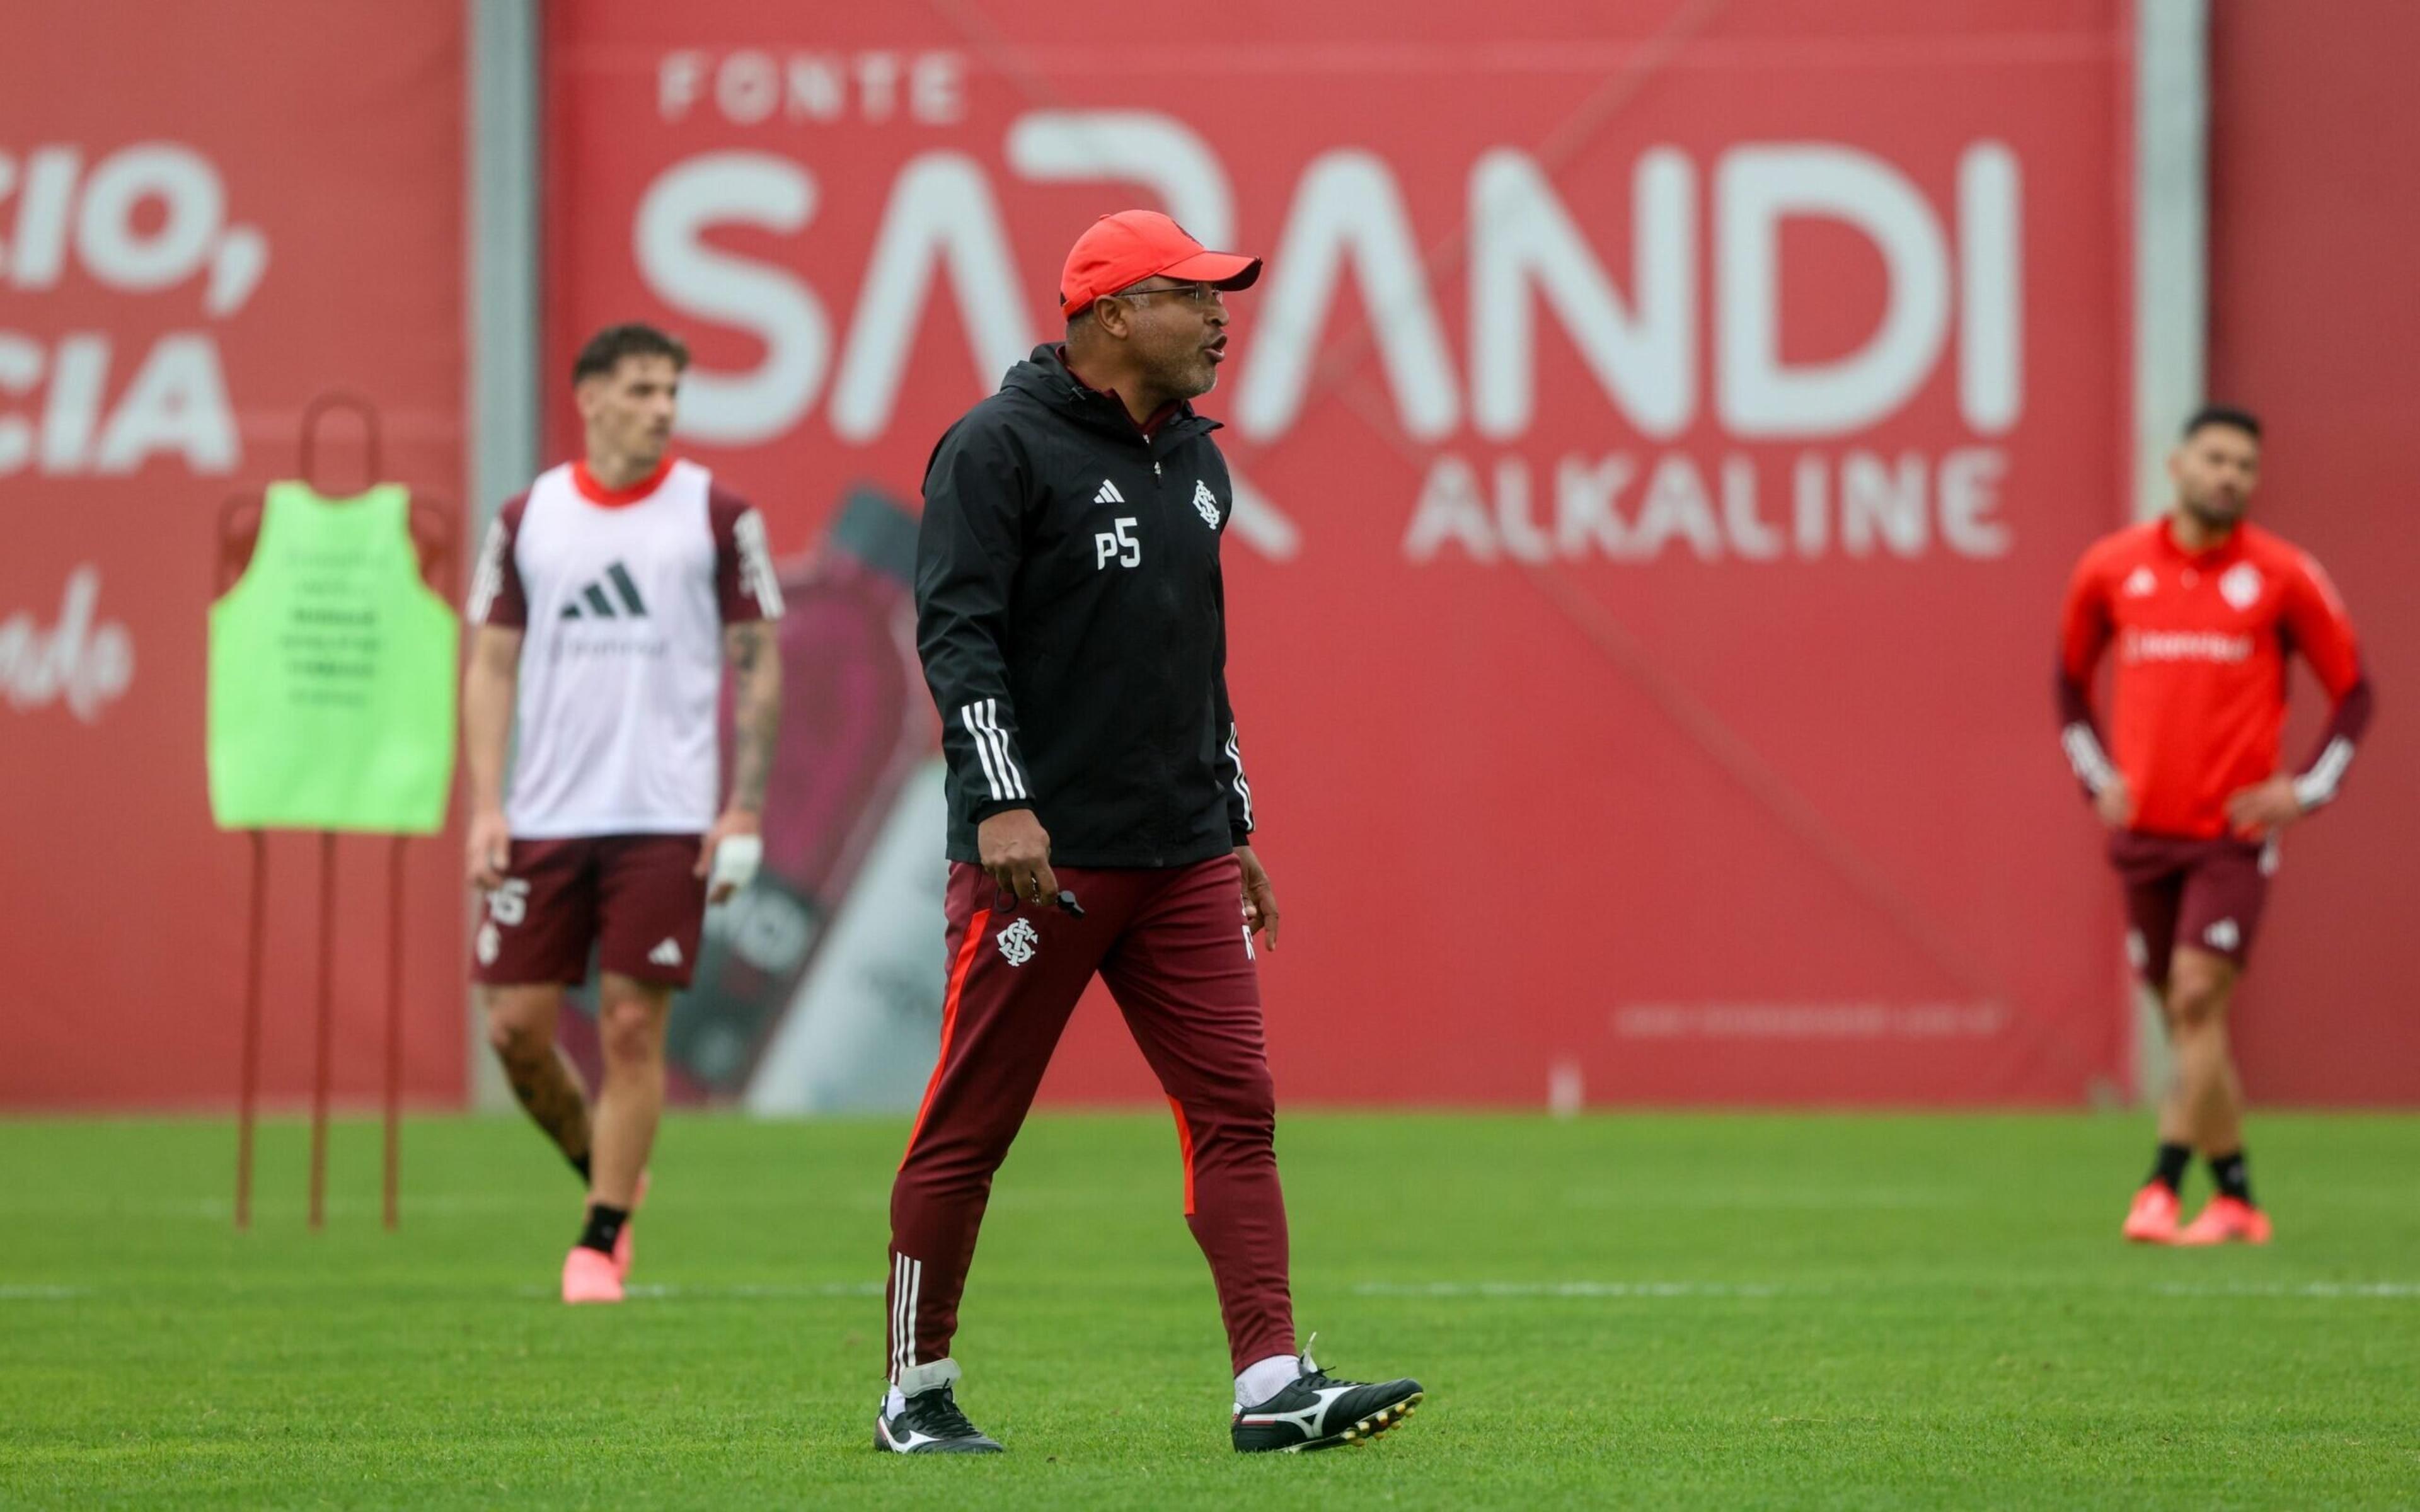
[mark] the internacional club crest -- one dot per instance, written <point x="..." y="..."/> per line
<point x="2240" y="586"/>
<point x="1205" y="503"/>
<point x="1016" y="942"/>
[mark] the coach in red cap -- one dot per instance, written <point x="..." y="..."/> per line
<point x="1072" y="621"/>
<point x="1132" y="247"/>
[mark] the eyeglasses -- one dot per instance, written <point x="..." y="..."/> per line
<point x="1200" y="296"/>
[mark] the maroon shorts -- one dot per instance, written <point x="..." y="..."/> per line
<point x="636" y="899"/>
<point x="2205" y="893"/>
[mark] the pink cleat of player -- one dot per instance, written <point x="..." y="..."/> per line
<point x="588" y="1275"/>
<point x="2152" y="1219"/>
<point x="622" y="1246"/>
<point x="2226" y="1219"/>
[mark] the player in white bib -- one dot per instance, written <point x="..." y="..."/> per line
<point x="607" y="601"/>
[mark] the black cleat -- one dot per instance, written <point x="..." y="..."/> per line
<point x="1317" y="1411"/>
<point x="930" y="1424"/>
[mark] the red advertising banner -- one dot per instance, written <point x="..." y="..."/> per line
<point x="205" y="219"/>
<point x="2310" y="218"/>
<point x="1662" y="431"/>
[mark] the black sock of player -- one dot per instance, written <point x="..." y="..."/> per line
<point x="2234" y="1177"/>
<point x="580" y="1163"/>
<point x="604" y="1226"/>
<point x="2168" y="1169"/>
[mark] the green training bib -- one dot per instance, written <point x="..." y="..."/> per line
<point x="331" y="673"/>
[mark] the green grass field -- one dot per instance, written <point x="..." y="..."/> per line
<point x="1683" y="1311"/>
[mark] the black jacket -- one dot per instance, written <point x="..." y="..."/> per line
<point x="1072" y="624"/>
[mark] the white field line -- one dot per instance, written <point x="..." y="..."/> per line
<point x="1667" y="1291"/>
<point x="222" y="1210"/>
<point x="653" y="1292"/>
<point x="484" y="1204"/>
<point x="1754" y="1199"/>
<point x="668" y="1291"/>
<point x="1443" y="1290"/>
<point x="1573" y="1288"/>
<point x="2325" y="1290"/>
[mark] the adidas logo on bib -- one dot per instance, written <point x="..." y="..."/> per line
<point x="594" y="604"/>
<point x="666" y="955"/>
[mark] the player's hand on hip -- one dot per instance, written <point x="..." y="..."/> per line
<point x="732" y="823"/>
<point x="2115" y="803"/>
<point x="488" y="850"/>
<point x="2264" y="808"/>
<point x="1015" y="850"/>
<point x="1260" y="899"/>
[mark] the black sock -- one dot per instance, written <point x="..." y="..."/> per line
<point x="604" y="1226"/>
<point x="580" y="1163"/>
<point x="2234" y="1177"/>
<point x="2168" y="1168"/>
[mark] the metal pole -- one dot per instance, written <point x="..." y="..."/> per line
<point x="394" y="1165"/>
<point x="504" y="173"/>
<point x="323" y="1033"/>
<point x="2171" y="314"/>
<point x="248" y="1079"/>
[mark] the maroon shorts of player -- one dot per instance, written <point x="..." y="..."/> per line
<point x="636" y="899"/>
<point x="2205" y="893"/>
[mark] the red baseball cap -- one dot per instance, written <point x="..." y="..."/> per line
<point x="1124" y="249"/>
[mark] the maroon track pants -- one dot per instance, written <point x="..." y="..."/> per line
<point x="1171" y="944"/>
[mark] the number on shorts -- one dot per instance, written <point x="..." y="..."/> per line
<point x="509" y="904"/>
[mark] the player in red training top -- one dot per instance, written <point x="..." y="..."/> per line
<point x="2202" y="610"/>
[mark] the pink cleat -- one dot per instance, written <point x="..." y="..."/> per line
<point x="622" y="1246"/>
<point x="2225" y="1219"/>
<point x="2152" y="1219"/>
<point x="588" y="1275"/>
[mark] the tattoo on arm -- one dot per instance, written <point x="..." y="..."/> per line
<point x="757" y="664"/>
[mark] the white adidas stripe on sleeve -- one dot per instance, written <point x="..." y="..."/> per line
<point x="756" y="577"/>
<point x="982" y="749"/>
<point x="2084" y="753"/>
<point x="489" y="579"/>
<point x="981" y="722"/>
<point x="2318" y="785"/>
<point x="1014" y="779"/>
<point x="1243" y="787"/>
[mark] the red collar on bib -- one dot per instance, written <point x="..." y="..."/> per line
<point x="596" y="493"/>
